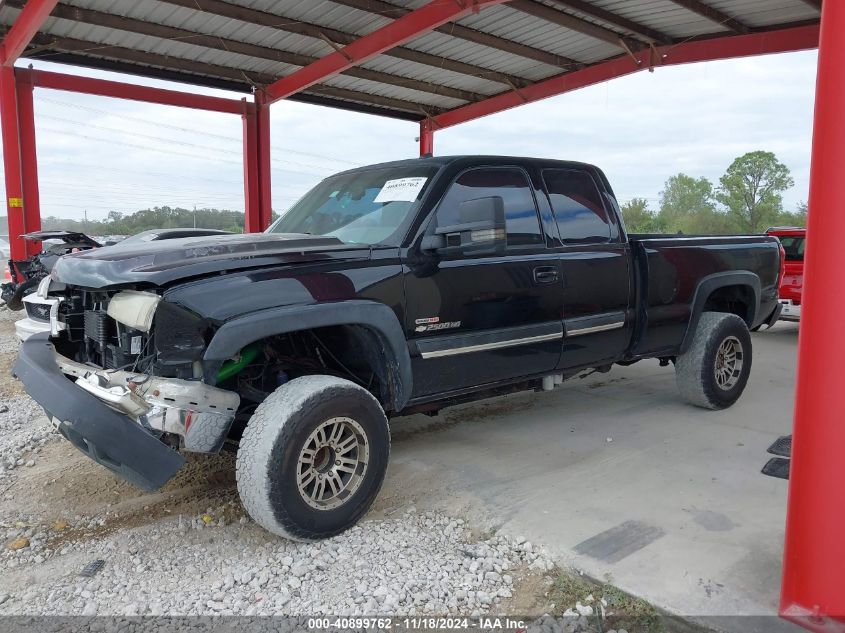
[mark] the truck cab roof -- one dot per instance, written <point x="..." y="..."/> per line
<point x="469" y="160"/>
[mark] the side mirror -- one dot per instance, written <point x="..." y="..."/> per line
<point x="481" y="230"/>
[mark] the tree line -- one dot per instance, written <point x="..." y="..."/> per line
<point x="748" y="199"/>
<point x="117" y="223"/>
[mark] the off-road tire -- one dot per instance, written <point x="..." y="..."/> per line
<point x="695" y="369"/>
<point x="267" y="460"/>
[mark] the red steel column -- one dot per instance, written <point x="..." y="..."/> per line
<point x="264" y="182"/>
<point x="12" y="162"/>
<point x="813" y="590"/>
<point x="426" y="138"/>
<point x="29" y="160"/>
<point x="252" y="190"/>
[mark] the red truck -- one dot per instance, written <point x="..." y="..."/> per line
<point x="789" y="293"/>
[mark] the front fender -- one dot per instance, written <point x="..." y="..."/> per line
<point x="236" y="333"/>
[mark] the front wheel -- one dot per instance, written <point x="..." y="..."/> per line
<point x="313" y="457"/>
<point x="713" y="372"/>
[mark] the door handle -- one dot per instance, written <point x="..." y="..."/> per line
<point x="545" y="274"/>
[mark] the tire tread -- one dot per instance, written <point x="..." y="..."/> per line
<point x="270" y="422"/>
<point x="690" y="367"/>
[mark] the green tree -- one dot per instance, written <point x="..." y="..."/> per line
<point x="752" y="189"/>
<point x="793" y="218"/>
<point x="638" y="217"/>
<point x="707" y="222"/>
<point x="684" y="197"/>
<point x="117" y="223"/>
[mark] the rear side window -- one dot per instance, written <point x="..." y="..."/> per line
<point x="793" y="246"/>
<point x="521" y="220"/>
<point x="581" y="217"/>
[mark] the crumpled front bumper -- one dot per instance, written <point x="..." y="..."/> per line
<point x="107" y="436"/>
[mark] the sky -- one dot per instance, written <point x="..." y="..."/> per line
<point x="98" y="154"/>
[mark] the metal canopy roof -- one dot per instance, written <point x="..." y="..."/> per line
<point x="248" y="44"/>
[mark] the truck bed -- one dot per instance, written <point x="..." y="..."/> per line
<point x="669" y="270"/>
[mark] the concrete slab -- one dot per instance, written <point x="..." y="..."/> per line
<point x="618" y="477"/>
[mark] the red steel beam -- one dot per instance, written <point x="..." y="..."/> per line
<point x="426" y="138"/>
<point x="256" y="135"/>
<point x="18" y="127"/>
<point x="120" y="90"/>
<point x="813" y="588"/>
<point x="401" y="30"/>
<point x="12" y="162"/>
<point x="792" y="39"/>
<point x="29" y="162"/>
<point x="252" y="191"/>
<point x="29" y="20"/>
<point x="262" y="114"/>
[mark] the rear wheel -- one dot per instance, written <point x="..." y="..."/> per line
<point x="713" y="372"/>
<point x="313" y="457"/>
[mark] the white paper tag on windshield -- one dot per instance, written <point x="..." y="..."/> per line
<point x="401" y="190"/>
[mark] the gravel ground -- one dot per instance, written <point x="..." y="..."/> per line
<point x="23" y="429"/>
<point x="415" y="564"/>
<point x="23" y="432"/>
<point x="8" y="342"/>
<point x="190" y="549"/>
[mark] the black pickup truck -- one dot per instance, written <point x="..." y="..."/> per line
<point x="396" y="288"/>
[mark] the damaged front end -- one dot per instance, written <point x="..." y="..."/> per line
<point x="186" y="414"/>
<point x="121" y="378"/>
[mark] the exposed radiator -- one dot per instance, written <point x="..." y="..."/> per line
<point x="98" y="326"/>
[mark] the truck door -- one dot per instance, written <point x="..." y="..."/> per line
<point x="595" y="266"/>
<point x="478" y="319"/>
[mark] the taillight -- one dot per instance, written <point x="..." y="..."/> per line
<point x="782" y="263"/>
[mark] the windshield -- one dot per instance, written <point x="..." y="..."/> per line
<point x="371" y="206"/>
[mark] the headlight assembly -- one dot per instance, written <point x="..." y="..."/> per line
<point x="134" y="309"/>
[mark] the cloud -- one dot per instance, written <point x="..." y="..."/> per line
<point x="645" y="127"/>
<point x="98" y="154"/>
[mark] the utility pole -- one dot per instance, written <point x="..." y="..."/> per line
<point x="195" y="216"/>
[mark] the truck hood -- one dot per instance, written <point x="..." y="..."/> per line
<point x="160" y="263"/>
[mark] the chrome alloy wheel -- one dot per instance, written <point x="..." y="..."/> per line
<point x="332" y="463"/>
<point x="728" y="367"/>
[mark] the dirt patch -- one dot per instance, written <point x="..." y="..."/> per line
<point x="531" y="596"/>
<point x="9" y="387"/>
<point x="605" y="383"/>
<point x="71" y="487"/>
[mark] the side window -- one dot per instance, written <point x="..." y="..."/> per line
<point x="521" y="222"/>
<point x="581" y="217"/>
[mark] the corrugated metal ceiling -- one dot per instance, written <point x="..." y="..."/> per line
<point x="244" y="44"/>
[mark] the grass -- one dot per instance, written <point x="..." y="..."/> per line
<point x="623" y="611"/>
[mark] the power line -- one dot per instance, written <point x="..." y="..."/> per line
<point x="163" y="174"/>
<point x="170" y="140"/>
<point x="193" y="131"/>
<point x="173" y="152"/>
